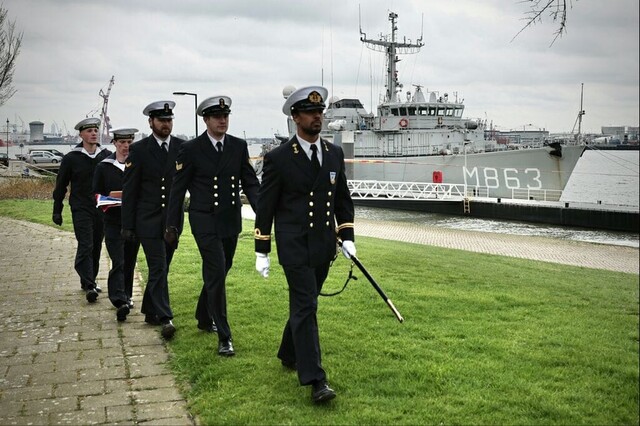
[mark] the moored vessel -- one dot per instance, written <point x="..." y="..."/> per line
<point x="423" y="137"/>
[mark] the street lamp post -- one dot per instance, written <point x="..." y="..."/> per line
<point x="7" y="141"/>
<point x="195" y="98"/>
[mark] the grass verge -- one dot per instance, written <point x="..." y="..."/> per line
<point x="486" y="340"/>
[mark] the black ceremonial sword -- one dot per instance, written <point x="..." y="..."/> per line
<point x="375" y="285"/>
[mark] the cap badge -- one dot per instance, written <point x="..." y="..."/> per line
<point x="314" y="97"/>
<point x="332" y="178"/>
<point x="221" y="103"/>
<point x="166" y="108"/>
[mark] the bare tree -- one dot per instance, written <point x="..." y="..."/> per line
<point x="555" y="9"/>
<point x="10" y="42"/>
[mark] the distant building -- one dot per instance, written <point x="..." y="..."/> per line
<point x="620" y="134"/>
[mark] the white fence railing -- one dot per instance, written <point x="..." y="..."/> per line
<point x="412" y="190"/>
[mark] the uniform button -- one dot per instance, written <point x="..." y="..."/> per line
<point x="162" y="188"/>
<point x="215" y="186"/>
<point x="162" y="195"/>
<point x="328" y="204"/>
<point x="311" y="225"/>
<point x="162" y="179"/>
<point x="233" y="185"/>
<point x="162" y="205"/>
<point x="215" y="204"/>
<point x="233" y="178"/>
<point x="215" y="195"/>
<point x="329" y="193"/>
<point x="233" y="194"/>
<point x="311" y="194"/>
<point x="215" y="178"/>
<point x="311" y="203"/>
<point x="327" y="223"/>
<point x="328" y="213"/>
<point x="310" y="214"/>
<point x="233" y="202"/>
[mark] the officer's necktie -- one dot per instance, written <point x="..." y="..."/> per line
<point x="315" y="164"/>
<point x="219" y="147"/>
<point x="164" y="151"/>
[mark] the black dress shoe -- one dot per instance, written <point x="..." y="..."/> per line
<point x="289" y="365"/>
<point x="92" y="295"/>
<point x="152" y="319"/>
<point x="130" y="303"/>
<point x="98" y="289"/>
<point x="209" y="328"/>
<point x="122" y="312"/>
<point x="225" y="348"/>
<point x="168" y="329"/>
<point x="321" y="392"/>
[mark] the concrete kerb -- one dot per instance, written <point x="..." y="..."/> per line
<point x="65" y="361"/>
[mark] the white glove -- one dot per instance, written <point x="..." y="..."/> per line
<point x="348" y="249"/>
<point x="262" y="264"/>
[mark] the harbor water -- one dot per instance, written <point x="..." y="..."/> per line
<point x="606" y="177"/>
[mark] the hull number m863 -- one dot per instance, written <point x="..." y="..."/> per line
<point x="511" y="178"/>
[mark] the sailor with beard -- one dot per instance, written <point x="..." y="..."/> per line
<point x="148" y="177"/>
<point x="77" y="168"/>
<point x="304" y="192"/>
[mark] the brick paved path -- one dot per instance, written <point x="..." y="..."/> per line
<point x="65" y="361"/>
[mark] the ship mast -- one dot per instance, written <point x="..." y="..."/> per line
<point x="105" y="125"/>
<point x="391" y="47"/>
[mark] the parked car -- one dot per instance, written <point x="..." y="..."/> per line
<point x="4" y="159"/>
<point x="35" y="157"/>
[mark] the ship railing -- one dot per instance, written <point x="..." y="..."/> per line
<point x="406" y="190"/>
<point x="536" y="194"/>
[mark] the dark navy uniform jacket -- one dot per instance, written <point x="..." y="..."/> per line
<point x="107" y="178"/>
<point x="146" y="187"/>
<point x="304" y="208"/>
<point x="214" y="181"/>
<point x="77" y="168"/>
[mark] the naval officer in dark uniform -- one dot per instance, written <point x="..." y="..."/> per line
<point x="148" y="176"/>
<point x="304" y="191"/>
<point x="107" y="181"/>
<point x="213" y="167"/>
<point x="77" y="168"/>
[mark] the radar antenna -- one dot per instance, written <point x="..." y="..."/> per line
<point x="392" y="48"/>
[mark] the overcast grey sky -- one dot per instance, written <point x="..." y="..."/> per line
<point x="251" y="50"/>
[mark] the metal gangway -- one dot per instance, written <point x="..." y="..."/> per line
<point x="414" y="190"/>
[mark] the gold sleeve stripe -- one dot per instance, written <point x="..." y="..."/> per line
<point x="258" y="236"/>
<point x="344" y="225"/>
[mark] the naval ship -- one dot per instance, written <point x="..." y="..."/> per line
<point x="426" y="139"/>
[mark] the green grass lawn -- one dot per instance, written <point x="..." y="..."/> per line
<point x="486" y="339"/>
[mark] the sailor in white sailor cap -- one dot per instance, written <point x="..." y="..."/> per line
<point x="304" y="194"/>
<point x="147" y="181"/>
<point x="213" y="167"/>
<point x="107" y="181"/>
<point x="76" y="169"/>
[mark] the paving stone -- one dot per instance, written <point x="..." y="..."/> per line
<point x="80" y="389"/>
<point x="51" y="405"/>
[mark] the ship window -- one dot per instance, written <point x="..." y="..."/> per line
<point x="440" y="111"/>
<point x="458" y="112"/>
<point x="403" y="111"/>
<point x="412" y="110"/>
<point x="432" y="110"/>
<point x="422" y="111"/>
<point x="449" y="112"/>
